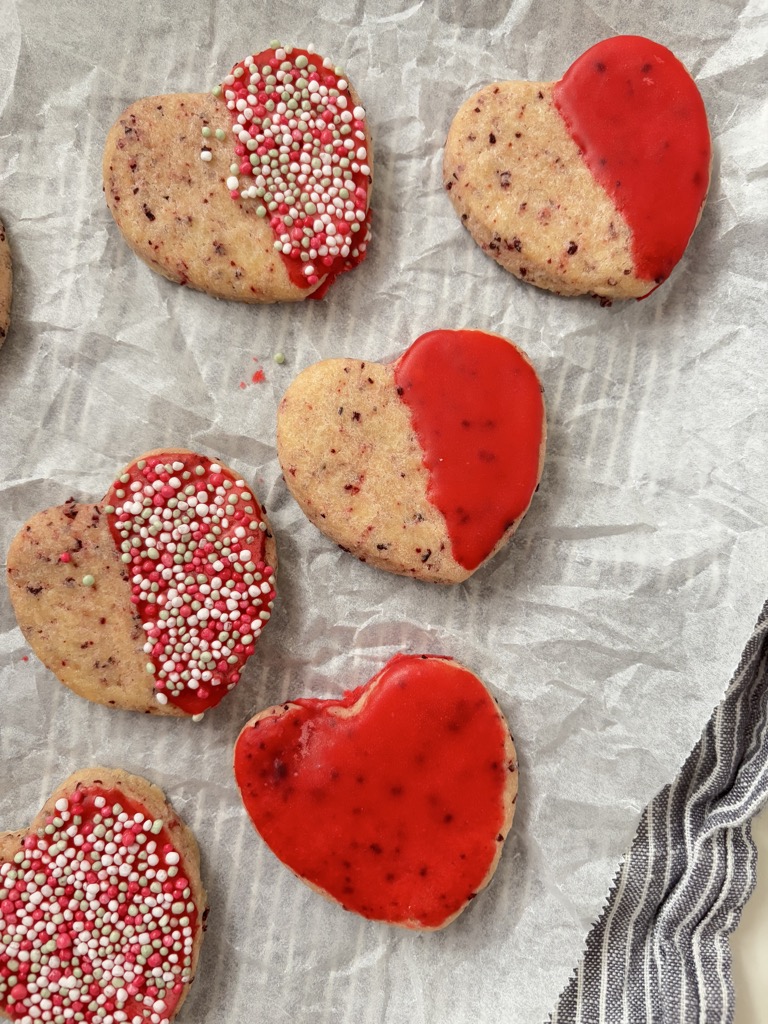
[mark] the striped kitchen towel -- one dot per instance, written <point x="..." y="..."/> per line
<point x="659" y="953"/>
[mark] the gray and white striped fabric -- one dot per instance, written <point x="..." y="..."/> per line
<point x="659" y="953"/>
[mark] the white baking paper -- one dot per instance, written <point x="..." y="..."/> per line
<point x="608" y="629"/>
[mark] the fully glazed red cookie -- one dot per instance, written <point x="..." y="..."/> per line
<point x="258" y="192"/>
<point x="393" y="800"/>
<point x="424" y="466"/>
<point x="154" y="599"/>
<point x="593" y="184"/>
<point x="101" y="906"/>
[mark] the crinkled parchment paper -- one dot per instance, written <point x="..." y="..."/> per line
<point x="610" y="626"/>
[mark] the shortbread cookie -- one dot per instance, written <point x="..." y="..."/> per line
<point x="258" y="192"/>
<point x="102" y="908"/>
<point x="6" y="284"/>
<point x="395" y="799"/>
<point x="593" y="184"/>
<point x="153" y="599"/>
<point x="425" y="466"/>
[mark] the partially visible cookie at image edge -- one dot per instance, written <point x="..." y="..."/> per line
<point x="6" y="284"/>
<point x="102" y="907"/>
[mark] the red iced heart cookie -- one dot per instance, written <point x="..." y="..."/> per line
<point x="393" y="800"/>
<point x="154" y="599"/>
<point x="591" y="184"/>
<point x="101" y="906"/>
<point x="424" y="466"/>
<point x="258" y="192"/>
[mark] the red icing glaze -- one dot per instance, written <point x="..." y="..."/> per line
<point x="109" y="876"/>
<point x="328" y="160"/>
<point x="477" y="409"/>
<point x="395" y="809"/>
<point x="638" y="118"/>
<point x="212" y="589"/>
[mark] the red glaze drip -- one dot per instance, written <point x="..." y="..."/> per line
<point x="638" y="118"/>
<point x="396" y="809"/>
<point x="336" y="122"/>
<point x="207" y="569"/>
<point x="477" y="409"/>
<point x="79" y="899"/>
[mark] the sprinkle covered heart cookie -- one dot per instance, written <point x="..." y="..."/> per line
<point x="6" y="284"/>
<point x="257" y="192"/>
<point x="424" y="466"/>
<point x="593" y="184"/>
<point x="153" y="599"/>
<point x="395" y="799"/>
<point x="101" y="906"/>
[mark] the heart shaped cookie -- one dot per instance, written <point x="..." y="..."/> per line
<point x="153" y="599"/>
<point x="101" y="906"/>
<point x="593" y="184"/>
<point x="6" y="284"/>
<point x="257" y="192"/>
<point x="424" y="466"/>
<point x="393" y="800"/>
